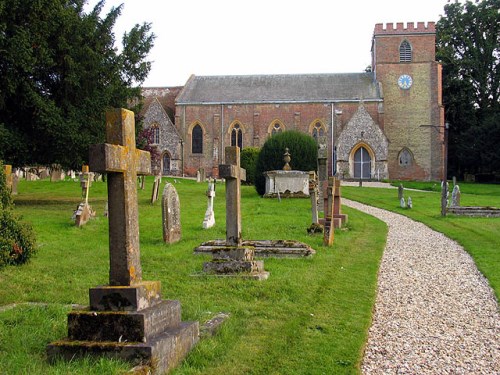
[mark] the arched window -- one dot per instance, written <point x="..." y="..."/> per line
<point x="405" y="54"/>
<point x="197" y="140"/>
<point x="362" y="164"/>
<point x="405" y="158"/>
<point x="237" y="136"/>
<point x="276" y="128"/>
<point x="155" y="134"/>
<point x="318" y="131"/>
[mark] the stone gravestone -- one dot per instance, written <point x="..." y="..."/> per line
<point x="127" y="319"/>
<point x="15" y="181"/>
<point x="233" y="258"/>
<point x="85" y="179"/>
<point x="171" y="214"/>
<point x="313" y="192"/>
<point x="401" y="192"/>
<point x="339" y="219"/>
<point x="329" y="209"/>
<point x="156" y="189"/>
<point x="83" y="212"/>
<point x="200" y="175"/>
<point x="410" y="203"/>
<point x="209" y="220"/>
<point x="402" y="203"/>
<point x="455" y="196"/>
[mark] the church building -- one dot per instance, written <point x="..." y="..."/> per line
<point x="384" y="123"/>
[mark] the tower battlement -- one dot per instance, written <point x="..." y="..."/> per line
<point x="421" y="27"/>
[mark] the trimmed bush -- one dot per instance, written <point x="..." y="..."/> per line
<point x="302" y="148"/>
<point x="248" y="160"/>
<point x="17" y="239"/>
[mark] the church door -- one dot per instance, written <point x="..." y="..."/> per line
<point x="166" y="164"/>
<point x="362" y="164"/>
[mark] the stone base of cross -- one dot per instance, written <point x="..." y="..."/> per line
<point x="233" y="258"/>
<point x="127" y="319"/>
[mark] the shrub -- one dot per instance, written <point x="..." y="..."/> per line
<point x="303" y="150"/>
<point x="17" y="239"/>
<point x="248" y="160"/>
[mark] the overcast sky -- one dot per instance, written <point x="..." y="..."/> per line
<point x="228" y="37"/>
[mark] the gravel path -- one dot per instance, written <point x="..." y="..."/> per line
<point x="435" y="312"/>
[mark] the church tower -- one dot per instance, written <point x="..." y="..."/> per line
<point x="403" y="61"/>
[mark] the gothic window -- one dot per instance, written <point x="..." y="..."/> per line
<point x="362" y="164"/>
<point x="318" y="131"/>
<point x="405" y="158"/>
<point x="197" y="140"/>
<point x="276" y="128"/>
<point x="405" y="54"/>
<point x="155" y="134"/>
<point x="237" y="136"/>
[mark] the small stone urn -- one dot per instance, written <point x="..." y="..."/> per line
<point x="287" y="159"/>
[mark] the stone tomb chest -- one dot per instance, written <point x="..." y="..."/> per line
<point x="292" y="184"/>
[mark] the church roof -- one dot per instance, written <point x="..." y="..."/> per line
<point x="279" y="88"/>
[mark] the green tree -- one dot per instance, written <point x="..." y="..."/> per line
<point x="59" y="72"/>
<point x="248" y="160"/>
<point x="468" y="46"/>
<point x="302" y="148"/>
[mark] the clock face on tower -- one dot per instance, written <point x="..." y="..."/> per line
<point x="405" y="81"/>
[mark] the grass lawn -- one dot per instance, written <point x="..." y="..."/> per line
<point x="310" y="317"/>
<point x="479" y="236"/>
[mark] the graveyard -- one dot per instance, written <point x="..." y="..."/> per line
<point x="311" y="313"/>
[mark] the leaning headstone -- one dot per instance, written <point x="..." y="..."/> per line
<point x="401" y="192"/>
<point x="234" y="258"/>
<point x="171" y="214"/>
<point x="156" y="189"/>
<point x="455" y="197"/>
<point x="402" y="202"/>
<point x="410" y="203"/>
<point x="209" y="220"/>
<point x="127" y="319"/>
<point x="329" y="221"/>
<point x="83" y="212"/>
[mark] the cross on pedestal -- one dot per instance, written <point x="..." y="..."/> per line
<point x="122" y="162"/>
<point x="233" y="174"/>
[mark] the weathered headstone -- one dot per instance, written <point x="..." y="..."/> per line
<point x="15" y="181"/>
<point x="86" y="178"/>
<point x="127" y="319"/>
<point x="329" y="221"/>
<point x="455" y="196"/>
<point x="56" y="173"/>
<point x="401" y="192"/>
<point x="402" y="202"/>
<point x="200" y="175"/>
<point x="156" y="189"/>
<point x="339" y="219"/>
<point x="410" y="203"/>
<point x="233" y="258"/>
<point x="84" y="212"/>
<point x="209" y="220"/>
<point x="313" y="193"/>
<point x="171" y="214"/>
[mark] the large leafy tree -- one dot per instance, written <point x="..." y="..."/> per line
<point x="59" y="71"/>
<point x="468" y="45"/>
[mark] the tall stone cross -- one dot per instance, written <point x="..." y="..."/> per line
<point x="122" y="162"/>
<point x="233" y="174"/>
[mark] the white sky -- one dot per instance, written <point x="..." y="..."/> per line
<point x="228" y="37"/>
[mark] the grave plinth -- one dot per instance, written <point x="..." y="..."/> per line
<point x="233" y="259"/>
<point x="126" y="319"/>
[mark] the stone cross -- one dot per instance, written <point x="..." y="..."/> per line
<point x="313" y="193"/>
<point x="233" y="174"/>
<point x="122" y="162"/>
